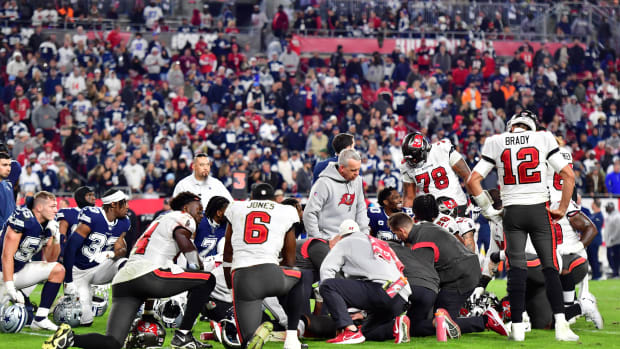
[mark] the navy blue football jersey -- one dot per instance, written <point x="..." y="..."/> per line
<point x="33" y="236"/>
<point x="208" y="237"/>
<point x="70" y="215"/>
<point x="379" y="223"/>
<point x="103" y="235"/>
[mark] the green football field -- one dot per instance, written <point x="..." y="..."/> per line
<point x="607" y="292"/>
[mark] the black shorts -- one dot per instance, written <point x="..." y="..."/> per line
<point x="534" y="220"/>
<point x="160" y="283"/>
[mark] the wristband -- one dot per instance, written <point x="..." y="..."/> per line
<point x="226" y="264"/>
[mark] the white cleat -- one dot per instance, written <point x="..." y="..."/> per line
<point x="526" y="321"/>
<point x="590" y="310"/>
<point x="45" y="324"/>
<point x="517" y="331"/>
<point x="564" y="333"/>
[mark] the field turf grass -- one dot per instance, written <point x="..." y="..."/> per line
<point x="607" y="293"/>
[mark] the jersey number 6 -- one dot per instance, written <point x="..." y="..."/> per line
<point x="255" y="231"/>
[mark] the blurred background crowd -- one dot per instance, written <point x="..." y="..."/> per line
<point x="95" y="92"/>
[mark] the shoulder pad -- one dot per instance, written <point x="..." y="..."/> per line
<point x="374" y="210"/>
<point x="20" y="219"/>
<point x="444" y="144"/>
<point x="89" y="215"/>
<point x="186" y="221"/>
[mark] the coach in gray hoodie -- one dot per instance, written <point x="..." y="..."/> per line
<point x="337" y="195"/>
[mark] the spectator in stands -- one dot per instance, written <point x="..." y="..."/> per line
<point x="612" y="181"/>
<point x="280" y="23"/>
<point x="47" y="177"/>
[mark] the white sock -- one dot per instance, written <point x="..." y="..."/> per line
<point x="291" y="336"/>
<point x="569" y="297"/>
<point x="559" y="318"/>
<point x="42" y="312"/>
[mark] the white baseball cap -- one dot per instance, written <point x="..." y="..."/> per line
<point x="348" y="227"/>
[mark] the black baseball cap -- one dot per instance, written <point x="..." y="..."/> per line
<point x="262" y="191"/>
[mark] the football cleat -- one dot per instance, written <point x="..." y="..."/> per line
<point x="45" y="324"/>
<point x="348" y="337"/>
<point x="517" y="332"/>
<point x="260" y="335"/>
<point x="401" y="329"/>
<point x="564" y="333"/>
<point x="187" y="341"/>
<point x="495" y="323"/>
<point x="63" y="338"/>
<point x="590" y="310"/>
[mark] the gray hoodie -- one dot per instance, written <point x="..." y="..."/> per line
<point x="354" y="256"/>
<point x="332" y="200"/>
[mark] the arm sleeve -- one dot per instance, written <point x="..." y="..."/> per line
<point x="316" y="199"/>
<point x="73" y="245"/>
<point x="487" y="163"/>
<point x="405" y="174"/>
<point x="333" y="262"/>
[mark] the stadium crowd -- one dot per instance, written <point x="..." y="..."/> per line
<point x="128" y="110"/>
<point x="134" y="113"/>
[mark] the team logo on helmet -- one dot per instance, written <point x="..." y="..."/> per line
<point x="347" y="199"/>
<point x="417" y="141"/>
<point x="450" y="203"/>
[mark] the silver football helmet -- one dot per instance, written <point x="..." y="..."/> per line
<point x="170" y="312"/>
<point x="68" y="310"/>
<point x="99" y="299"/>
<point x="230" y="336"/>
<point x="13" y="318"/>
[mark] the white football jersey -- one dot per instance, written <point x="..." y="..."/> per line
<point x="521" y="160"/>
<point x="258" y="230"/>
<point x="157" y="243"/>
<point x="156" y="248"/>
<point x="436" y="176"/>
<point x="565" y="234"/>
<point x="448" y="223"/>
<point x="554" y="181"/>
